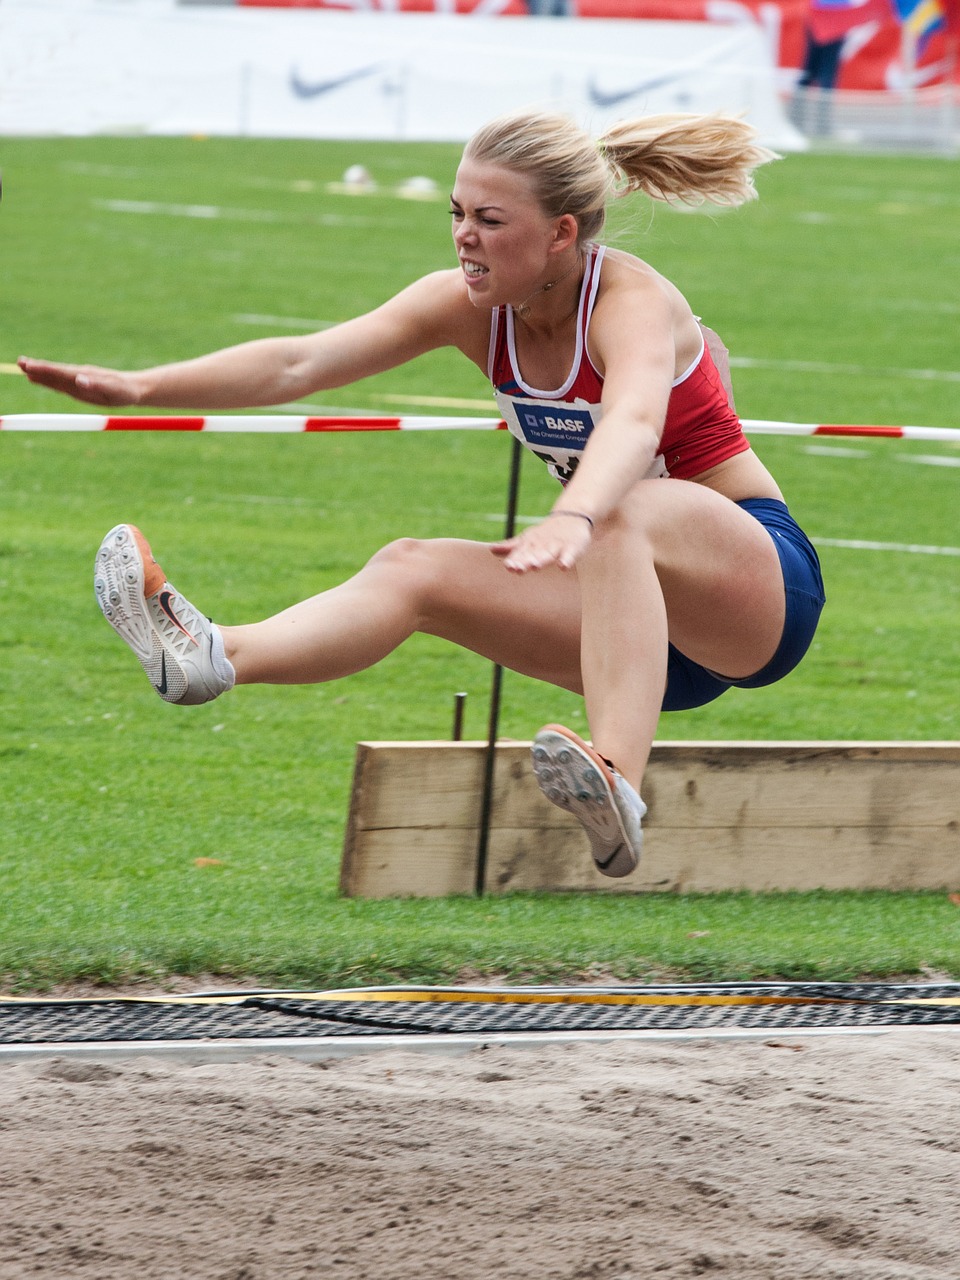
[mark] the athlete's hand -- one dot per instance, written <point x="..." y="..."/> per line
<point x="84" y="382"/>
<point x="559" y="540"/>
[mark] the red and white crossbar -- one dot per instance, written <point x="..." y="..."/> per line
<point x="252" y="423"/>
<point x="760" y="427"/>
<point x="286" y="424"/>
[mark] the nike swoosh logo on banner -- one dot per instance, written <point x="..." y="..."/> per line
<point x="601" y="99"/>
<point x="162" y="687"/>
<point x="303" y="90"/>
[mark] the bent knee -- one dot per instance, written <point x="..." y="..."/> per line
<point x="416" y="565"/>
<point x="400" y="553"/>
<point x="405" y="559"/>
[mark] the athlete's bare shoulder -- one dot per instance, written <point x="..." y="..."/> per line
<point x="637" y="306"/>
<point x="624" y="271"/>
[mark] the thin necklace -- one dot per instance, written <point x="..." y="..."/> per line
<point x="523" y="310"/>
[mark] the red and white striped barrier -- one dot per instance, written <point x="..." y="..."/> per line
<point x="760" y="427"/>
<point x="251" y="423"/>
<point x="264" y="423"/>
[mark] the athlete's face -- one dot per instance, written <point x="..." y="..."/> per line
<point x="505" y="242"/>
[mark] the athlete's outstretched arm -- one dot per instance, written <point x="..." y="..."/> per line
<point x="636" y="335"/>
<point x="275" y="370"/>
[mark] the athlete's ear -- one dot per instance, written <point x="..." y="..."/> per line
<point x="565" y="233"/>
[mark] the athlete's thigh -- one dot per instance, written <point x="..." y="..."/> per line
<point x="527" y="622"/>
<point x="720" y="576"/>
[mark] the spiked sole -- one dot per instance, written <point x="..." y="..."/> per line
<point x="124" y="575"/>
<point x="575" y="778"/>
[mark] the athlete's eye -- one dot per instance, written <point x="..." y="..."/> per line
<point x="458" y="215"/>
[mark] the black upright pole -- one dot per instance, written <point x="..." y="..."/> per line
<point x="486" y="805"/>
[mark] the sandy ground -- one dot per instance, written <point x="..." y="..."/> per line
<point x="789" y="1158"/>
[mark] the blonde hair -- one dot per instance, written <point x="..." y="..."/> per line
<point x="678" y="158"/>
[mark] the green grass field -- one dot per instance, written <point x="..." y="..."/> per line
<point x="836" y="296"/>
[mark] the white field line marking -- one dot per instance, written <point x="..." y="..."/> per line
<point x="923" y="459"/>
<point x="911" y="548"/>
<point x="10" y="368"/>
<point x="439" y="402"/>
<point x="294" y="186"/>
<point x="310" y="409"/>
<point x="213" y="212"/>
<point x="209" y="211"/>
<point x="313" y="410"/>
<point x="321" y="1047"/>
<point x="836" y="451"/>
<point x="857" y="370"/>
<point x="270" y="500"/>
<point x="103" y="170"/>
<point x="321" y="410"/>
<point x="917" y="304"/>
<point x="282" y="322"/>
<point x="930" y="459"/>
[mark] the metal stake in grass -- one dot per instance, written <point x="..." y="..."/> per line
<point x="459" y="699"/>
<point x="487" y="798"/>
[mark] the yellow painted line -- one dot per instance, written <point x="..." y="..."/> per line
<point x="393" y="996"/>
<point x="387" y="996"/>
<point x="573" y="997"/>
<point x="436" y="997"/>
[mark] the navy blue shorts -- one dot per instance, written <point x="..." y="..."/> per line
<point x="690" y="685"/>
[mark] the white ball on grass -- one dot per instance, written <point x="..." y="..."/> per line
<point x="418" y="188"/>
<point x="358" y="178"/>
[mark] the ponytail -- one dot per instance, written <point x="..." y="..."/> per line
<point x="685" y="159"/>
<point x="681" y="159"/>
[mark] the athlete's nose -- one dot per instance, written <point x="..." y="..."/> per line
<point x="464" y="233"/>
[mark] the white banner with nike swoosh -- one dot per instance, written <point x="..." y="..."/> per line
<point x="152" y="66"/>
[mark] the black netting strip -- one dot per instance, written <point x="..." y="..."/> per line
<point x="290" y="1015"/>
<point x="128" y="1022"/>
<point x="450" y="1018"/>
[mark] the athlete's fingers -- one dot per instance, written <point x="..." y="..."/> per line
<point x="540" y="555"/>
<point x="542" y="545"/>
<point x="45" y="373"/>
<point x="503" y="548"/>
<point x="518" y="554"/>
<point x="84" y="382"/>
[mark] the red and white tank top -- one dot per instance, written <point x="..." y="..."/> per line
<point x="701" y="430"/>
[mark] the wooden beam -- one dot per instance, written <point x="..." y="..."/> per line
<point x="723" y="815"/>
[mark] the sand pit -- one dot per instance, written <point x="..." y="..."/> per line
<point x="820" y="1157"/>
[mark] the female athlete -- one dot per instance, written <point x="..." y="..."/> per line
<point x="669" y="567"/>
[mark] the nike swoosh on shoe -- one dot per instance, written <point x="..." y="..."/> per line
<point x="162" y="687"/>
<point x="163" y="600"/>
